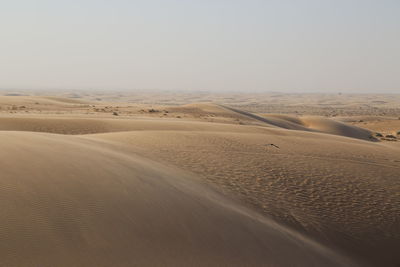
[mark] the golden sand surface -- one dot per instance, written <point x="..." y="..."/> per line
<point x="101" y="179"/>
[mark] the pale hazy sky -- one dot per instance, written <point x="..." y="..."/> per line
<point x="257" y="45"/>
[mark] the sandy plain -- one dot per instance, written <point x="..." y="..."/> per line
<point x="199" y="179"/>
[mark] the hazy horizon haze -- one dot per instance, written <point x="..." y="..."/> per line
<point x="283" y="46"/>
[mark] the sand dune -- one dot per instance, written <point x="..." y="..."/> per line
<point x="310" y="123"/>
<point x="341" y="191"/>
<point x="336" y="127"/>
<point x="320" y="124"/>
<point x="91" y="206"/>
<point x="79" y="125"/>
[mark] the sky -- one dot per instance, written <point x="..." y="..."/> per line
<point x="209" y="45"/>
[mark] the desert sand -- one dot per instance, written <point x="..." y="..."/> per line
<point x="199" y="180"/>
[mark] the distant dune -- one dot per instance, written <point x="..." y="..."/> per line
<point x="311" y="123"/>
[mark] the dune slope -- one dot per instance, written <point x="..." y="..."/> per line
<point x="339" y="190"/>
<point x="309" y="123"/>
<point x="68" y="201"/>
